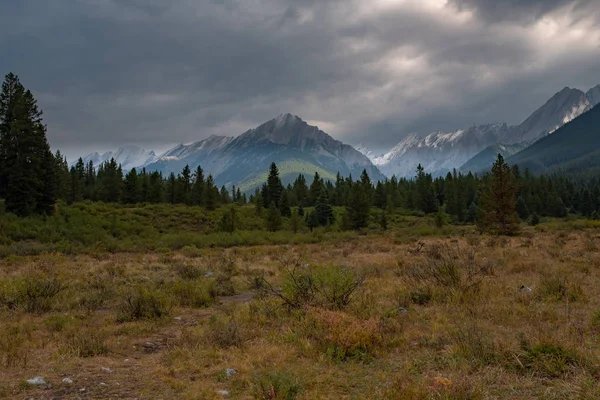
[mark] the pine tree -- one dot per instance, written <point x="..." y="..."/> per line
<point x="300" y="190"/>
<point x="63" y="177"/>
<point x="323" y="210"/>
<point x="258" y="202"/>
<point x="380" y="196"/>
<point x="535" y="220"/>
<point x="184" y="186"/>
<point x="383" y="222"/>
<point x="426" y="199"/>
<point x="295" y="222"/>
<point x="224" y="195"/>
<point x="522" y="209"/>
<point x="28" y="179"/>
<point x="172" y="188"/>
<point x="211" y="194"/>
<point x="274" y="185"/>
<point x="358" y="206"/>
<point x="497" y="206"/>
<point x="316" y="187"/>
<point x="156" y="188"/>
<point x="198" y="187"/>
<point x="110" y="181"/>
<point x="301" y="211"/>
<point x="273" y="218"/>
<point x="144" y="177"/>
<point x="131" y="188"/>
<point x="587" y="205"/>
<point x="229" y="220"/>
<point x="312" y="221"/>
<point x="284" y="206"/>
<point x="90" y="182"/>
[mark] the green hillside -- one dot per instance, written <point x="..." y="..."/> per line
<point x="288" y="171"/>
<point x="573" y="148"/>
<point x="484" y="160"/>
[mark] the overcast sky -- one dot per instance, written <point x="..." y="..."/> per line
<point x="156" y="72"/>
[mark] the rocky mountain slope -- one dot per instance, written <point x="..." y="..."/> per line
<point x="287" y="140"/>
<point x="129" y="157"/>
<point x="439" y="152"/>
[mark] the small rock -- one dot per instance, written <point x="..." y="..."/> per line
<point x="209" y="274"/>
<point x="177" y="318"/>
<point x="402" y="310"/>
<point x="38" y="380"/>
<point x="525" y="289"/>
<point x="103" y="384"/>
<point x="230" y="372"/>
<point x="107" y="370"/>
<point x="68" y="381"/>
<point x="149" y="345"/>
<point x="82" y="390"/>
<point x="223" y="393"/>
<point x="127" y="360"/>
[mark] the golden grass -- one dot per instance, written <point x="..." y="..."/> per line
<point x="489" y="342"/>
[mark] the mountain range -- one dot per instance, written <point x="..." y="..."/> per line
<point x="475" y="149"/>
<point x="572" y="149"/>
<point x="294" y="145"/>
<point x="299" y="148"/>
<point x="129" y="156"/>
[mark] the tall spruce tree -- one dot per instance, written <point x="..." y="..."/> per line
<point x="28" y="180"/>
<point x="198" y="188"/>
<point x="358" y="206"/>
<point x="498" y="201"/>
<point x="211" y="194"/>
<point x="323" y="210"/>
<point x="274" y="185"/>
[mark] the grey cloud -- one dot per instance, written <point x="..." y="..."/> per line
<point x="526" y="11"/>
<point x="155" y="72"/>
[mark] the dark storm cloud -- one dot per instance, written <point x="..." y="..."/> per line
<point x="525" y="11"/>
<point x="108" y="72"/>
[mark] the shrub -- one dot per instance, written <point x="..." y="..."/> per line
<point x="546" y="359"/>
<point x="189" y="272"/>
<point x="193" y="294"/>
<point x="331" y="287"/>
<point x="13" y="345"/>
<point x="344" y="336"/>
<point x="85" y="344"/>
<point x="33" y="293"/>
<point x="277" y="385"/>
<point x="225" y="333"/>
<point x="143" y="303"/>
<point x="475" y="346"/>
<point x="558" y="288"/>
<point x="448" y="270"/>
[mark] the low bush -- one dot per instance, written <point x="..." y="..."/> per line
<point x="143" y="303"/>
<point x="34" y="293"/>
<point x="277" y="386"/>
<point x="193" y="293"/>
<point x="448" y="271"/>
<point x="85" y="343"/>
<point x="343" y="336"/>
<point x="330" y="287"/>
<point x="547" y="359"/>
<point x="558" y="288"/>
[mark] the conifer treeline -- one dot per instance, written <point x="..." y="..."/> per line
<point x="32" y="179"/>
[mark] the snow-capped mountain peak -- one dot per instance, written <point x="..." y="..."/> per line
<point x="593" y="95"/>
<point x="129" y="156"/>
<point x="438" y="152"/>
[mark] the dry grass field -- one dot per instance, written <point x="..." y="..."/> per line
<point x="384" y="316"/>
